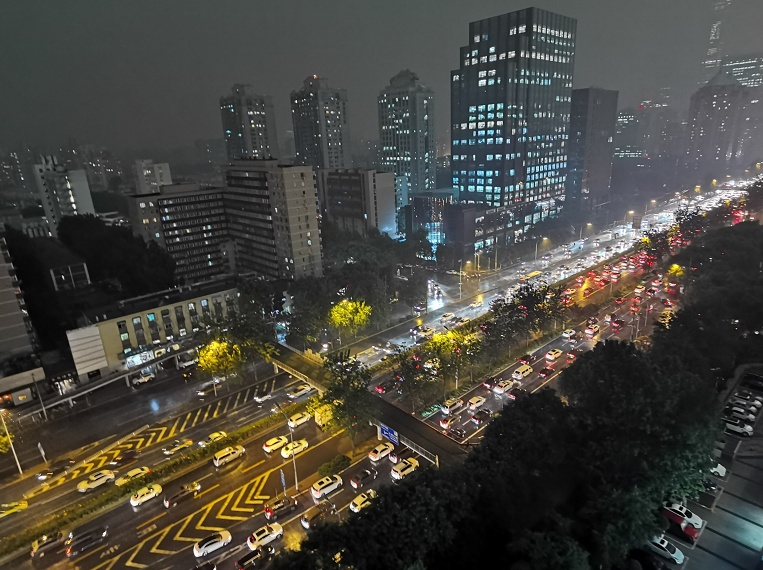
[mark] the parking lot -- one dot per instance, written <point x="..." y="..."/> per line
<point x="732" y="537"/>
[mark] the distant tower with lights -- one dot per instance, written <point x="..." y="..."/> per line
<point x="715" y="48"/>
<point x="249" y="124"/>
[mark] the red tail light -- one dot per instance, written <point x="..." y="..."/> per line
<point x="69" y="551"/>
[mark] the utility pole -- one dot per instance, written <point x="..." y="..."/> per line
<point x="39" y="395"/>
<point x="10" y="440"/>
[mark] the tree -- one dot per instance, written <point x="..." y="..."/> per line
<point x="349" y="317"/>
<point x="5" y="441"/>
<point x="221" y="358"/>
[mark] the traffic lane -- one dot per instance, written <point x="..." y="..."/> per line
<point x="230" y="497"/>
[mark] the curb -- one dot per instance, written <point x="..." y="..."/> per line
<point x="88" y="459"/>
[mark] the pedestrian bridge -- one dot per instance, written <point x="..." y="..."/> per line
<point x="308" y="367"/>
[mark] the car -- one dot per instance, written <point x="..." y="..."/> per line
<point x="592" y="330"/>
<point x="50" y="542"/>
<point x="646" y="560"/>
<point x="661" y="546"/>
<point x="212" y="438"/>
<point x="491" y="382"/>
<point x="143" y="378"/>
<point x="362" y="477"/>
<point x="186" y="492"/>
<point x="505" y="385"/>
<point x="279" y="506"/>
<point x="737" y="427"/>
<point x="404" y="468"/>
<point x="516" y="392"/>
<point x="668" y="302"/>
<point x="298" y="419"/>
<point x="587" y="292"/>
<point x="260" y="398"/>
<point x="619" y="301"/>
<point x="456" y="433"/>
<point x="591" y="321"/>
<point x="86" y="541"/>
<point x="753" y="384"/>
<point x="522" y="372"/>
<point x="718" y="470"/>
<point x="639" y="290"/>
<point x="451" y="406"/>
<point x="380" y="451"/>
<point x="132" y="475"/>
<point x="95" y="480"/>
<point x="447" y="317"/>
<point x="749" y="397"/>
<point x="681" y="511"/>
<point x="299" y="390"/>
<point x="475" y="304"/>
<point x="326" y="486"/>
<point x="738" y="412"/>
<point x="255" y="558"/>
<point x="448" y="421"/>
<point x="553" y="354"/>
<point x="617" y="324"/>
<point x="208" y="389"/>
<point x="275" y="443"/>
<point x="461" y="320"/>
<point x="55" y="468"/>
<point x="545" y="372"/>
<point x="145" y="494"/>
<point x="569" y="333"/>
<point x="212" y="543"/>
<point x="293" y="448"/>
<point x="316" y="514"/>
<point x="177" y="445"/>
<point x="743" y="404"/>
<point x="386" y="386"/>
<point x="228" y="454"/>
<point x="650" y="292"/>
<point x="362" y="501"/>
<point x="480" y="417"/>
<point x="528" y="359"/>
<point x="710" y="486"/>
<point x="125" y="458"/>
<point x="656" y="282"/>
<point x="451" y="272"/>
<point x="7" y="509"/>
<point x="476" y="402"/>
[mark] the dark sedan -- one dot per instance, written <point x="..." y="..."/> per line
<point x="362" y="478"/>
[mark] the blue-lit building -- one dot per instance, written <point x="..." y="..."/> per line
<point x="510" y="113"/>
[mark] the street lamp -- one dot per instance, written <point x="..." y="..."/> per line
<point x="10" y="440"/>
<point x="537" y="242"/>
<point x="277" y="407"/>
<point x="588" y="225"/>
<point x="460" y="277"/>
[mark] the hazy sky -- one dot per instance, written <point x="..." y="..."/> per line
<point x="131" y="74"/>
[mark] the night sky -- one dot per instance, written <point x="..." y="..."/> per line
<point x="135" y="74"/>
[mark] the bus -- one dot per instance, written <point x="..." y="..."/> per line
<point x="530" y="276"/>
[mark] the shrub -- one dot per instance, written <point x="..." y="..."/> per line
<point x="339" y="463"/>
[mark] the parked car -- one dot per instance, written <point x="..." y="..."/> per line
<point x="480" y="417"/>
<point x="662" y="547"/>
<point x="680" y="510"/>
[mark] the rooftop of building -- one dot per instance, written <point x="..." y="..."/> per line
<point x="722" y="79"/>
<point x="158" y="299"/>
<point x="53" y="254"/>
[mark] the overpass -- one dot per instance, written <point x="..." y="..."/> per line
<point x="408" y="430"/>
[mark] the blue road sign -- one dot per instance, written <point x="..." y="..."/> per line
<point x="389" y="433"/>
<point x="283" y="479"/>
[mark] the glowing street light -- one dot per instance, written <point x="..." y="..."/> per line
<point x="537" y="242"/>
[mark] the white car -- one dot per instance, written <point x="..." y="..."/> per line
<point x="211" y="543"/>
<point x="749" y="398"/>
<point x="298" y="419"/>
<point x="738" y="427"/>
<point x="447" y="317"/>
<point x="505" y="385"/>
<point x="380" y="451"/>
<point x="264" y="535"/>
<point x="263" y="397"/>
<point x="553" y="354"/>
<point x="293" y="448"/>
<point x="95" y="480"/>
<point x="639" y="290"/>
<point x="719" y="471"/>
<point x="144" y="378"/>
<point x="131" y="475"/>
<point x="275" y="443"/>
<point x="739" y="413"/>
<point x="212" y="438"/>
<point x="666" y="549"/>
<point x="325" y="486"/>
<point x="362" y="501"/>
<point x="476" y="402"/>
<point x="688" y="515"/>
<point x="404" y="468"/>
<point x="145" y="494"/>
<point x="592" y="330"/>
<point x="475" y="305"/>
<point x="569" y="333"/>
<point x="299" y="390"/>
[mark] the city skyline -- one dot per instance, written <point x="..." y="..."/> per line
<point x="142" y="85"/>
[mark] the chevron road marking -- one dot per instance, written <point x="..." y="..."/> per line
<point x="220" y="514"/>
<point x="161" y="536"/>
<point x="185" y="422"/>
<point x="238" y="509"/>
<point x="173" y="431"/>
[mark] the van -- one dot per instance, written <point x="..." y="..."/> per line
<point x="522" y="372"/>
<point x="227" y="455"/>
<point x="452" y="406"/>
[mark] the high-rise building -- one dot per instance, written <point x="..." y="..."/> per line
<point x="272" y="213"/>
<point x="592" y="131"/>
<point x="628" y="142"/>
<point x="715" y="48"/>
<point x="16" y="332"/>
<point x="189" y="222"/>
<point x="510" y="111"/>
<point x="406" y="130"/>
<point x="724" y="128"/>
<point x="63" y="192"/>
<point x="249" y="124"/>
<point x="321" y="130"/>
<point x="357" y="199"/>
<point x="747" y="69"/>
<point x="150" y="177"/>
